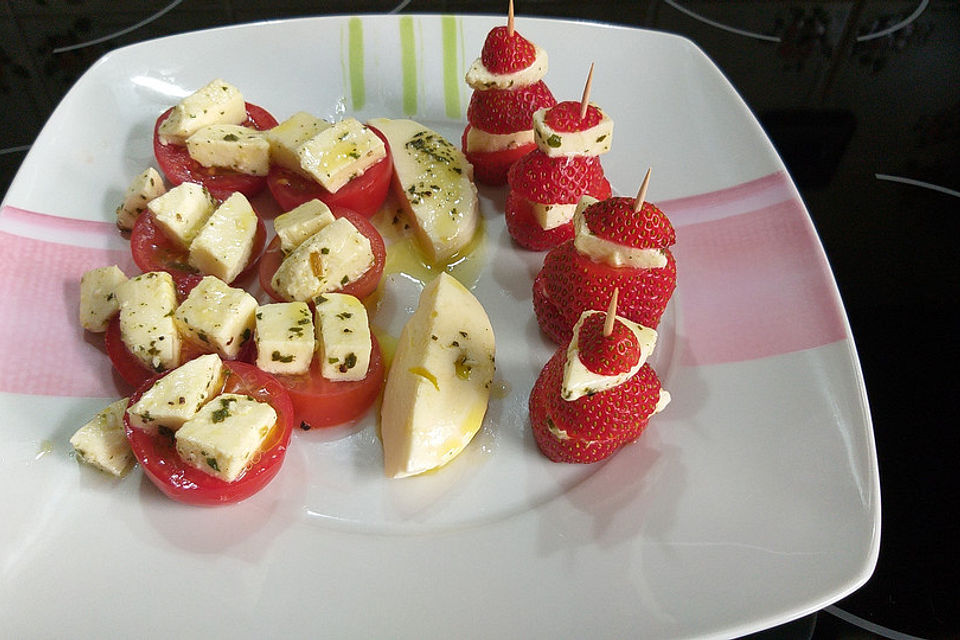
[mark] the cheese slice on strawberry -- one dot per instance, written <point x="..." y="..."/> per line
<point x="596" y="362"/>
<point x="507" y="61"/>
<point x="614" y="233"/>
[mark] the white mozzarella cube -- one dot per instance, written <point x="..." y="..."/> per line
<point x="144" y="188"/>
<point x="324" y="262"/>
<point x="298" y="224"/>
<point x="216" y="316"/>
<point x="340" y="153"/>
<point x="286" y="138"/>
<point x="182" y="211"/>
<point x="479" y="141"/>
<point x="176" y="397"/>
<point x="590" y="142"/>
<point x="147" y="328"/>
<point x="284" y="335"/>
<point x="98" y="297"/>
<point x="223" y="246"/>
<point x="550" y="216"/>
<point x="226" y="435"/>
<point x="103" y="443"/>
<point x="231" y="146"/>
<point x="217" y="103"/>
<point x="343" y="337"/>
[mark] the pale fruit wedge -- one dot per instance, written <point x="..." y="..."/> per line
<point x="439" y="383"/>
<point x="436" y="181"/>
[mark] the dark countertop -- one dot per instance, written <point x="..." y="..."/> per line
<point x="862" y="99"/>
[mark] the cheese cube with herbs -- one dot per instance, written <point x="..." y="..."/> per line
<point x="340" y="153"/>
<point x="223" y="246"/>
<point x="286" y="138"/>
<point x="284" y="335"/>
<point x="182" y="211"/>
<point x="231" y="146"/>
<point x="103" y="443"/>
<point x="593" y="141"/>
<point x="298" y="224"/>
<point x="226" y="435"/>
<point x="343" y="337"/>
<point x="147" y="327"/>
<point x="98" y="298"/>
<point x="217" y="103"/>
<point x="178" y="396"/>
<point x="324" y="262"/>
<point x="217" y="317"/>
<point x="144" y="188"/>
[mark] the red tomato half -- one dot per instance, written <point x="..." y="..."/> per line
<point x="134" y="371"/>
<point x="363" y="194"/>
<point x="318" y="402"/>
<point x="360" y="288"/>
<point x="161" y="463"/>
<point x="154" y="251"/>
<point x="178" y="166"/>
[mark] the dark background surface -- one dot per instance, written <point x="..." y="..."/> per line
<point x="862" y="99"/>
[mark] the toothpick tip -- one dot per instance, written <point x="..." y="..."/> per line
<point x="585" y="99"/>
<point x="642" y="193"/>
<point x="510" y="19"/>
<point x="611" y="314"/>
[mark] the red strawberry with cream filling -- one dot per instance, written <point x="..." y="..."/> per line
<point x="506" y="52"/>
<point x="504" y="111"/>
<point x="607" y="355"/>
<point x="565" y="117"/>
<point x="558" y="180"/>
<point x="526" y="231"/>
<point x="616" y="220"/>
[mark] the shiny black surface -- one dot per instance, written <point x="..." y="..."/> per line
<point x="862" y="99"/>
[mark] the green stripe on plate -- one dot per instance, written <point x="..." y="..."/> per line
<point x="408" y="65"/>
<point x="358" y="93"/>
<point x="451" y="67"/>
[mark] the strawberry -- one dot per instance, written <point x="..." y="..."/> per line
<point x="607" y="355"/>
<point x="540" y="178"/>
<point x="573" y="283"/>
<point x="548" y="315"/>
<point x="508" y="110"/>
<point x="615" y="219"/>
<point x="491" y="167"/>
<point x="525" y="229"/>
<point x="565" y="117"/>
<point x="592" y="427"/>
<point x="503" y="53"/>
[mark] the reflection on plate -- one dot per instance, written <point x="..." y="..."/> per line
<point x="752" y="500"/>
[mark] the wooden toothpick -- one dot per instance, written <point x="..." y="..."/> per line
<point x="585" y="100"/>
<point x="611" y="314"/>
<point x="642" y="194"/>
<point x="510" y="19"/>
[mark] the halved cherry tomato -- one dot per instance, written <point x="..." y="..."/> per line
<point x="318" y="402"/>
<point x="154" y="251"/>
<point x="361" y="287"/>
<point x="178" y="166"/>
<point x="161" y="463"/>
<point x="364" y="194"/>
<point x="132" y="369"/>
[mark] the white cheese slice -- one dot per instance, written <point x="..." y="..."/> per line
<point x="481" y="78"/>
<point x="298" y="224"/>
<point x="286" y="138"/>
<point x="343" y="337"/>
<point x="479" y="141"/>
<point x="285" y="337"/>
<point x="103" y="443"/>
<point x="178" y="396"/>
<point x="611" y="253"/>
<point x="216" y="316"/>
<point x="551" y="216"/>
<point x="181" y="212"/>
<point x="438" y="386"/>
<point x="98" y="297"/>
<point x="440" y="198"/>
<point x="226" y="435"/>
<point x="340" y="153"/>
<point x="231" y="146"/>
<point x="223" y="246"/>
<point x="216" y="103"/>
<point x="590" y="142"/>
<point x="144" y="188"/>
<point x="147" y="328"/>
<point x="579" y="381"/>
<point x="325" y="262"/>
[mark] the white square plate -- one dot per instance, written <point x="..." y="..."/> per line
<point x="753" y="499"/>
